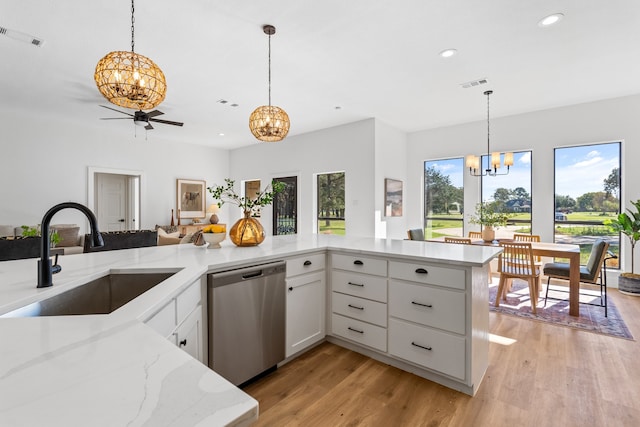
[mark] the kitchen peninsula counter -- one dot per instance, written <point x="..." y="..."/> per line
<point x="115" y="370"/>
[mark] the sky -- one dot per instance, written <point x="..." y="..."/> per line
<point x="583" y="169"/>
<point x="579" y="170"/>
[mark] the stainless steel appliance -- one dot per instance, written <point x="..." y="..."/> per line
<point x="246" y="321"/>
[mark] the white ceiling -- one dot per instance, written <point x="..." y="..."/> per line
<point x="371" y="58"/>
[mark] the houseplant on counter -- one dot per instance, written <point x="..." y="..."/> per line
<point x="247" y="231"/>
<point x="488" y="216"/>
<point x="629" y="225"/>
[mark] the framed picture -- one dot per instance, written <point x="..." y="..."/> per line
<point x="392" y="197"/>
<point x="190" y="198"/>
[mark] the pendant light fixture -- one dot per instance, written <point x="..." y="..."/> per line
<point x="493" y="159"/>
<point x="130" y="80"/>
<point x="269" y="123"/>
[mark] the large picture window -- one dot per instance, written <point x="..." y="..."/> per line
<point x="443" y="198"/>
<point x="511" y="193"/>
<point x="587" y="191"/>
<point x="331" y="203"/>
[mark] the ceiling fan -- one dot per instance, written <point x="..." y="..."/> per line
<point x="141" y="118"/>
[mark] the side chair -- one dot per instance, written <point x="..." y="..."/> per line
<point x="593" y="273"/>
<point x="516" y="262"/>
<point x="461" y="240"/>
<point x="416" y="234"/>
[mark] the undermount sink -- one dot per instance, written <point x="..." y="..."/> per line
<point x="100" y="296"/>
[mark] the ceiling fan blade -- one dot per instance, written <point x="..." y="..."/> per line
<point x="148" y="127"/>
<point x="121" y="112"/>
<point x="166" y="122"/>
<point x="154" y="113"/>
<point x="115" y="118"/>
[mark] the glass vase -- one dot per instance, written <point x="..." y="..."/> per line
<point x="247" y="231"/>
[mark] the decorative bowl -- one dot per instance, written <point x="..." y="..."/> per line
<point x="214" y="239"/>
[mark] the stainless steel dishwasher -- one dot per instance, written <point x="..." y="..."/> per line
<point x="246" y="321"/>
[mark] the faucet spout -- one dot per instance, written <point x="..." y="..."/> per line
<point x="45" y="269"/>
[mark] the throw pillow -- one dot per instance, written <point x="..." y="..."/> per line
<point x="68" y="236"/>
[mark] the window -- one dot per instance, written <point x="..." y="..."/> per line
<point x="587" y="191"/>
<point x="512" y="193"/>
<point x="443" y="198"/>
<point x="331" y="203"/>
<point x="285" y="207"/>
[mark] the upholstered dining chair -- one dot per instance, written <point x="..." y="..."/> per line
<point x="516" y="262"/>
<point x="593" y="273"/>
<point x="475" y="235"/>
<point x="462" y="240"/>
<point x="416" y="234"/>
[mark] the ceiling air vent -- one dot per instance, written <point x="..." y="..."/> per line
<point x="474" y="83"/>
<point x="17" y="35"/>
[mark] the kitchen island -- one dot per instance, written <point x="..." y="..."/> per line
<point x="115" y="370"/>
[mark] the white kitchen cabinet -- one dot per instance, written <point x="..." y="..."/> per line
<point x="189" y="334"/>
<point x="305" y="304"/>
<point x="181" y="320"/>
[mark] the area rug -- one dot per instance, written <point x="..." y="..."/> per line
<point x="591" y="318"/>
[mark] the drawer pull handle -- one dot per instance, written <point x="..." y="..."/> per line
<point x="356" y="284"/>
<point x="183" y="343"/>
<point x="421" y="271"/>
<point x="421" y="346"/>
<point x="355" y="306"/>
<point x="421" y="304"/>
<point x="354" y="330"/>
<point x="358" y="262"/>
<point x="307" y="263"/>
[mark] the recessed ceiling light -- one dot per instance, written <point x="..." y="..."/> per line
<point x="221" y="134"/>
<point x="550" y="20"/>
<point x="448" y="53"/>
<point x="337" y="107"/>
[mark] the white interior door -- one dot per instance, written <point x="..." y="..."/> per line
<point x="112" y="201"/>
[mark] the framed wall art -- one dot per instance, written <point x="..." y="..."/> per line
<point x="191" y="198"/>
<point x="392" y="197"/>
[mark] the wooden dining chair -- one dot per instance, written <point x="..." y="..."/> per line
<point x="475" y="235"/>
<point x="518" y="237"/>
<point x="462" y="240"/>
<point x="516" y="262"/>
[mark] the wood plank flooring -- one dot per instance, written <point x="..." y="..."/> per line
<point x="550" y="376"/>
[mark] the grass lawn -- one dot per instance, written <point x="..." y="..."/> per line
<point x="336" y="226"/>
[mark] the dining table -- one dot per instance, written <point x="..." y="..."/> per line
<point x="556" y="250"/>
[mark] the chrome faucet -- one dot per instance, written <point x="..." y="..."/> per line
<point x="45" y="269"/>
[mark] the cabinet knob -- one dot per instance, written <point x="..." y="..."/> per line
<point x="183" y="343"/>
<point x="290" y="288"/>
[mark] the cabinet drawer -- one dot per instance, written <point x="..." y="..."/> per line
<point x="361" y="332"/>
<point x="305" y="264"/>
<point x="360" y="285"/>
<point x="359" y="264"/>
<point x="427" y="273"/>
<point x="359" y="308"/>
<point x="164" y="321"/>
<point x="426" y="347"/>
<point x="188" y="300"/>
<point x="437" y="307"/>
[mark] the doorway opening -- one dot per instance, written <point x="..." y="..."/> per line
<point x="115" y="198"/>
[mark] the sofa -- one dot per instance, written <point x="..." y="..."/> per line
<point x="114" y="240"/>
<point x="71" y="241"/>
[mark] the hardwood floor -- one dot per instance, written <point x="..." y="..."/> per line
<point x="549" y="376"/>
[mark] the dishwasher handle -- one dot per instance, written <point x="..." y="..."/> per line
<point x="253" y="275"/>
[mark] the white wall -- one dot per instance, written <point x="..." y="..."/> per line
<point x="603" y="121"/>
<point x="390" y="161"/>
<point x="348" y="148"/>
<point x="45" y="162"/>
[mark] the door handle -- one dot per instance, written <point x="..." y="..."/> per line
<point x="121" y="220"/>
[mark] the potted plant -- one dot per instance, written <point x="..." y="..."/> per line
<point x="246" y="231"/>
<point x="54" y="237"/>
<point x="489" y="216"/>
<point x="629" y="225"/>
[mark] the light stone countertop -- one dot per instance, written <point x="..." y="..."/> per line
<point x="113" y="370"/>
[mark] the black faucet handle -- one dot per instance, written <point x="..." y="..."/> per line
<point x="56" y="268"/>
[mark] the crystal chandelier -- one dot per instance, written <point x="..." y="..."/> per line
<point x="129" y="79"/>
<point x="269" y="123"/>
<point x="493" y="159"/>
